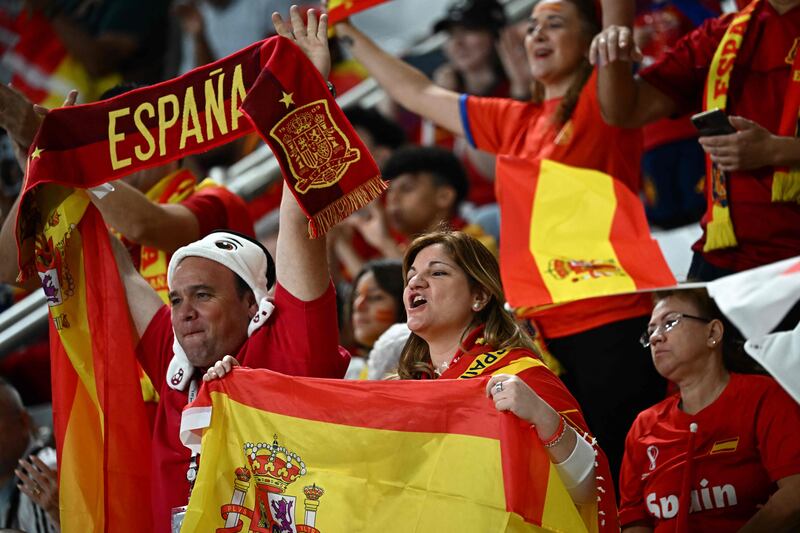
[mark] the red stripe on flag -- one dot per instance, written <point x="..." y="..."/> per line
<point x="63" y="382"/>
<point x="521" y="277"/>
<point x="331" y="400"/>
<point x="638" y="253"/>
<point x="340" y="12"/>
<point x="126" y="461"/>
<point x="526" y="469"/>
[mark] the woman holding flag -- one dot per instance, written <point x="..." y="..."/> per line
<point x="559" y="135"/>
<point x="460" y="329"/>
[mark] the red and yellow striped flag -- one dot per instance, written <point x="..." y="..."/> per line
<point x="587" y="237"/>
<point x="102" y="429"/>
<point x="281" y="453"/>
<point x="339" y="10"/>
<point x="42" y="69"/>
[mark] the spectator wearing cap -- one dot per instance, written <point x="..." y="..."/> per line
<point x="472" y="66"/>
<point x="472" y="27"/>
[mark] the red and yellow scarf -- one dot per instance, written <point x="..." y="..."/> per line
<point x="479" y="360"/>
<point x="785" y="181"/>
<point x="270" y="87"/>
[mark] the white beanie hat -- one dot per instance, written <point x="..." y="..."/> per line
<point x="246" y="258"/>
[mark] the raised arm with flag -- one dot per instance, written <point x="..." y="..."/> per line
<point x="217" y="286"/>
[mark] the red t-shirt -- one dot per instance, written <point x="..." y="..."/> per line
<point x="766" y="231"/>
<point x="300" y="339"/>
<point x="746" y="441"/>
<point x="219" y="208"/>
<point x="522" y="134"/>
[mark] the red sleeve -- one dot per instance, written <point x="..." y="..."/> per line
<point x="154" y="350"/>
<point x="681" y="73"/>
<point x="778" y="432"/>
<point x="631" y="486"/>
<point x="218" y="208"/>
<point x="300" y="339"/>
<point x="493" y="124"/>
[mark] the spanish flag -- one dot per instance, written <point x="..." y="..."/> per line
<point x="587" y="236"/>
<point x="42" y="68"/>
<point x="102" y="429"/>
<point x="282" y="453"/>
<point x="102" y="434"/>
<point x="339" y="10"/>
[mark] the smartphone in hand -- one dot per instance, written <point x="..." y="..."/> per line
<point x="712" y="122"/>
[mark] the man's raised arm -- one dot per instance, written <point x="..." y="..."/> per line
<point x="143" y="300"/>
<point x="301" y="263"/>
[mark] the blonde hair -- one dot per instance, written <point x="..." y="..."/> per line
<point x="500" y="329"/>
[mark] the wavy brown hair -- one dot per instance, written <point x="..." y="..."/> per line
<point x="590" y="27"/>
<point x="480" y="266"/>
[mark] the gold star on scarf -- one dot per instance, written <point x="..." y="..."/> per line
<point x="37" y="153"/>
<point x="287" y="99"/>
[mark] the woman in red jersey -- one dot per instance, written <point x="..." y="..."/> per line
<point x="723" y="454"/>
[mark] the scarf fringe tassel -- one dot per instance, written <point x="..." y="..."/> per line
<point x="319" y="224"/>
<point x="786" y="186"/>
<point x="719" y="231"/>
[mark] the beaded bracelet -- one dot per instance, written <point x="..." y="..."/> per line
<point x="561" y="430"/>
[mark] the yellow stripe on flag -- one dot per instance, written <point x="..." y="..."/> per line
<point x="76" y="338"/>
<point x="81" y="485"/>
<point x="519" y="366"/>
<point x="568" y="227"/>
<point x="552" y="513"/>
<point x="70" y="73"/>
<point x="403" y="481"/>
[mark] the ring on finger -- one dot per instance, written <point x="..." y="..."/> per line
<point x="498" y="387"/>
<point x="36" y="489"/>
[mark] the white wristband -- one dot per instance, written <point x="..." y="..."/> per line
<point x="577" y="468"/>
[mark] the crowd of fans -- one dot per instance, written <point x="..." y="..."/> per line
<point x="416" y="278"/>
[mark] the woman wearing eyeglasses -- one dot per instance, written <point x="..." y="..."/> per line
<point x="723" y="454"/>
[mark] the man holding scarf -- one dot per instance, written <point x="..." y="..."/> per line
<point x="747" y="65"/>
<point x="218" y="296"/>
<point x="218" y="285"/>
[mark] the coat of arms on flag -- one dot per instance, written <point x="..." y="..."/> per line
<point x="270" y="472"/>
